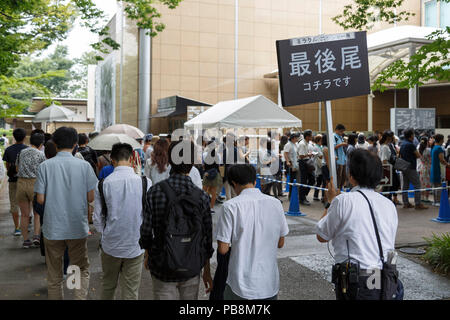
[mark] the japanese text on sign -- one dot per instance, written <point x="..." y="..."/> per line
<point x="323" y="68"/>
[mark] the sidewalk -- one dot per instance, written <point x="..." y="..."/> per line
<point x="23" y="272"/>
<point x="413" y="225"/>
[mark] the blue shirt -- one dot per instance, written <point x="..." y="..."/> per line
<point x="106" y="171"/>
<point x="340" y="151"/>
<point x="65" y="182"/>
<point x="435" y="176"/>
<point x="407" y="152"/>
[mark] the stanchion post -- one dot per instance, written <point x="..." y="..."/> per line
<point x="294" y="205"/>
<point x="444" y="207"/>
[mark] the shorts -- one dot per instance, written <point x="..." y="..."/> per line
<point x="216" y="182"/>
<point x="12" y="197"/>
<point x="25" y="190"/>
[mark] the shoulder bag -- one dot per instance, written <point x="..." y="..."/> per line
<point x="390" y="283"/>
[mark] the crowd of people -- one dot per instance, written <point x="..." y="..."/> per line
<point x="153" y="206"/>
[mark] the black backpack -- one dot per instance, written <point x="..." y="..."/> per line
<point x="184" y="238"/>
<point x="86" y="152"/>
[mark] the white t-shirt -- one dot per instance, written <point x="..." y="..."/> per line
<point x="349" y="219"/>
<point x="385" y="152"/>
<point x="252" y="223"/>
<point x="196" y="177"/>
<point x="292" y="150"/>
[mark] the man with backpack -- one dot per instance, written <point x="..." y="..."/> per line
<point x="10" y="157"/>
<point x="177" y="231"/>
<point x="88" y="154"/>
<point x="119" y="204"/>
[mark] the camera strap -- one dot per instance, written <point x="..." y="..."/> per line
<point x="375" y="226"/>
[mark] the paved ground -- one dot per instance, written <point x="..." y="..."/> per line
<point x="304" y="263"/>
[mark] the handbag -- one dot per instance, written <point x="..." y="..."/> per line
<point x="401" y="165"/>
<point x="390" y="283"/>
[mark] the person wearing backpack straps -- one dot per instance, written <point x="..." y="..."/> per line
<point x="362" y="226"/>
<point x="177" y="231"/>
<point x="120" y="200"/>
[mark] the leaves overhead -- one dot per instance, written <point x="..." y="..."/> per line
<point x="30" y="27"/>
<point x="363" y="14"/>
<point x="430" y="62"/>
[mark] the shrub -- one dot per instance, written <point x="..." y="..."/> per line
<point x="438" y="252"/>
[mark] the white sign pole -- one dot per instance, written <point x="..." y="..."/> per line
<point x="331" y="150"/>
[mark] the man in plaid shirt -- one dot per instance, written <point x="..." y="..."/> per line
<point x="165" y="283"/>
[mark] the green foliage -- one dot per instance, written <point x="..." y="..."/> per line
<point x="438" y="254"/>
<point x="431" y="61"/>
<point x="32" y="67"/>
<point x="10" y="106"/>
<point x="31" y="26"/>
<point x="363" y="14"/>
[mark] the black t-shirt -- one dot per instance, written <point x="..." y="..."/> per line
<point x="407" y="152"/>
<point x="10" y="157"/>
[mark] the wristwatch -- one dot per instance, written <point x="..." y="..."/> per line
<point x="327" y="205"/>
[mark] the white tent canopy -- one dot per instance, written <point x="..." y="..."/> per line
<point x="254" y="112"/>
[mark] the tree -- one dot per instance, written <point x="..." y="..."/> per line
<point x="431" y="61"/>
<point x="31" y="26"/>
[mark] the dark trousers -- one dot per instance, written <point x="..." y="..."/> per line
<point x="307" y="178"/>
<point x="363" y="293"/>
<point x="320" y="183"/>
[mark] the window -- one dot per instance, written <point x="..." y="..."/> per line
<point x="445" y="14"/>
<point x="431" y="14"/>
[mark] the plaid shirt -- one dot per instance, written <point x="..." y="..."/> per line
<point x="153" y="225"/>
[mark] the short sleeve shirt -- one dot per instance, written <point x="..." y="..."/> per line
<point x="252" y="223"/>
<point x="435" y="176"/>
<point x="65" y="182"/>
<point x="407" y="152"/>
<point x="28" y="162"/>
<point x="10" y="156"/>
<point x="303" y="148"/>
<point x="349" y="220"/>
<point x="385" y="152"/>
<point x="340" y="151"/>
<point x="292" y="150"/>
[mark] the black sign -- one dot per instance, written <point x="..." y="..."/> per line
<point x="324" y="67"/>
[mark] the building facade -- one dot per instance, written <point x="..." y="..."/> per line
<point x="206" y="54"/>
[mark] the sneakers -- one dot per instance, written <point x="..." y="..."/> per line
<point x="37" y="240"/>
<point x="316" y="199"/>
<point x="305" y="203"/>
<point x="27" y="244"/>
<point x="437" y="204"/>
<point x="420" y="207"/>
<point x="408" y="206"/>
<point x="17" y="232"/>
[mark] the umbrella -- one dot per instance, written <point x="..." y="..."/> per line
<point x="54" y="113"/>
<point x="105" y="142"/>
<point x="131" y="131"/>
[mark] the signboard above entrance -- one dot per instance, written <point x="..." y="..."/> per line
<point x="324" y="67"/>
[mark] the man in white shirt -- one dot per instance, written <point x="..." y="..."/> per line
<point x="348" y="224"/>
<point x="290" y="152"/>
<point x="306" y="168"/>
<point x="121" y="253"/>
<point x="255" y="226"/>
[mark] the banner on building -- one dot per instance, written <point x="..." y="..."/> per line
<point x="321" y="68"/>
<point x="105" y="94"/>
